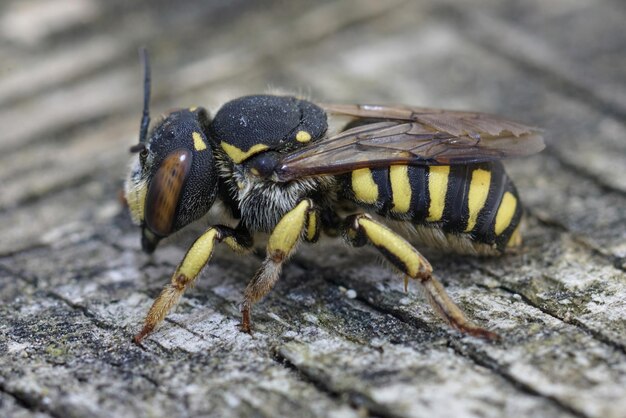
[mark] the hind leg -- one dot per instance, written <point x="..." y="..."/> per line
<point x="362" y="229"/>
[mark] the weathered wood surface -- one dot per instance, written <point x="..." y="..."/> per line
<point x="75" y="286"/>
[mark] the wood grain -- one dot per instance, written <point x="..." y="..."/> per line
<point x="338" y="337"/>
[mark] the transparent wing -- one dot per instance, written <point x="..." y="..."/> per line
<point x="410" y="135"/>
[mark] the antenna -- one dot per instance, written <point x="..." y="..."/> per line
<point x="145" y="118"/>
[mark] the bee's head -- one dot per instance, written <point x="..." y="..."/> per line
<point x="172" y="179"/>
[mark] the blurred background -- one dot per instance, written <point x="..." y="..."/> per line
<point x="74" y="284"/>
<point x="71" y="86"/>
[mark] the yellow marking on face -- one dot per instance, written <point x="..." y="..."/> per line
<point x="437" y="188"/>
<point x="478" y="191"/>
<point x="363" y="185"/>
<point x="286" y="234"/>
<point x="198" y="143"/>
<point x="136" y="200"/>
<point x="238" y="155"/>
<point x="254" y="171"/>
<point x="505" y="212"/>
<point x="516" y="238"/>
<point x="193" y="108"/>
<point x="311" y="227"/>
<point x="303" y="136"/>
<point x="400" y="188"/>
<point x="393" y="243"/>
<point x="198" y="255"/>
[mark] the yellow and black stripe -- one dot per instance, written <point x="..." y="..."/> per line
<point x="477" y="201"/>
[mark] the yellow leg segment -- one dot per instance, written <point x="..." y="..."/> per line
<point x="362" y="229"/>
<point x="300" y="222"/>
<point x="196" y="258"/>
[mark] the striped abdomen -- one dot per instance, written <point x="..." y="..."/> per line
<point x="476" y="203"/>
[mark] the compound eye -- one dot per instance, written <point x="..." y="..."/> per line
<point x="165" y="190"/>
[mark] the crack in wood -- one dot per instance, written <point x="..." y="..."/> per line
<point x="357" y="400"/>
<point x="551" y="223"/>
<point x="454" y="343"/>
<point x="597" y="335"/>
<point x="490" y="364"/>
<point x="29" y="402"/>
<point x="13" y="253"/>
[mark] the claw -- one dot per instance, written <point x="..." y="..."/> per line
<point x="476" y="331"/>
<point x="147" y="329"/>
<point x="245" y="320"/>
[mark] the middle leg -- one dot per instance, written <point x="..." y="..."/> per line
<point x="300" y="222"/>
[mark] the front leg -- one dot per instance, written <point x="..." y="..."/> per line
<point x="196" y="258"/>
<point x="301" y="221"/>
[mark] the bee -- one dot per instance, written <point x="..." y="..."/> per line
<point x="277" y="168"/>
